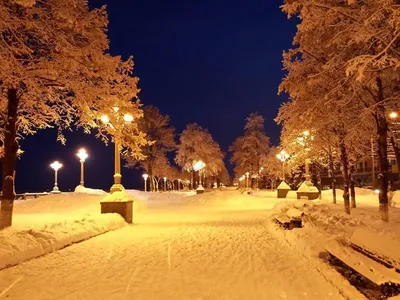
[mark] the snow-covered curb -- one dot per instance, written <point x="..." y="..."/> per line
<point x="308" y="242"/>
<point x="17" y="246"/>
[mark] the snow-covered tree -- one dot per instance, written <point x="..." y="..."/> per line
<point x="161" y="135"/>
<point x="196" y="144"/>
<point x="55" y="73"/>
<point x="250" y="149"/>
<point x="348" y="51"/>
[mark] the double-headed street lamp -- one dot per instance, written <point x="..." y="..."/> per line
<point x="283" y="156"/>
<point x="82" y="154"/>
<point x="145" y="176"/>
<point x="120" y="120"/>
<point x="55" y="166"/>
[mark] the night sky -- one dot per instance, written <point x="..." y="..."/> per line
<point x="206" y="61"/>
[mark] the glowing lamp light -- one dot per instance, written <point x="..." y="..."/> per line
<point x="56" y="166"/>
<point x="247" y="174"/>
<point x="282" y="156"/>
<point x="105" y="119"/>
<point x="165" y="178"/>
<point x="82" y="154"/>
<point x="145" y="176"/>
<point x="116" y="108"/>
<point x="377" y="191"/>
<point x="128" y="118"/>
<point x="306" y="132"/>
<point x="198" y="165"/>
<point x="393" y="115"/>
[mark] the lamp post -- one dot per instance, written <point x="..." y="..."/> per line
<point x="247" y="180"/>
<point x="304" y="141"/>
<point x="145" y="176"/>
<point x="55" y="166"/>
<point x="283" y="156"/>
<point x="179" y="185"/>
<point x="126" y="119"/>
<point x="82" y="154"/>
<point x="198" y="166"/>
<point x="165" y="184"/>
<point x="240" y="182"/>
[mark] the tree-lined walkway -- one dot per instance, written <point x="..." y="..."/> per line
<point x="188" y="253"/>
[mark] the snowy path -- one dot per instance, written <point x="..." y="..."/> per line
<point x="186" y="253"/>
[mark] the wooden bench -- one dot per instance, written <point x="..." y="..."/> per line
<point x="373" y="256"/>
<point x="288" y="223"/>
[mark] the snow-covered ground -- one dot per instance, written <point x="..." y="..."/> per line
<point x="52" y="222"/>
<point x="215" y="245"/>
<point x="325" y="223"/>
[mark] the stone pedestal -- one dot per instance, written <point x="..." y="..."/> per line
<point x="283" y="189"/>
<point x="124" y="208"/>
<point x="200" y="190"/>
<point x="282" y="193"/>
<point x="307" y="190"/>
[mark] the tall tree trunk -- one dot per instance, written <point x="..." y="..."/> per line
<point x="9" y="160"/>
<point x="332" y="168"/>
<point x="345" y="171"/>
<point x="396" y="150"/>
<point x="352" y="189"/>
<point x="382" y="128"/>
<point x="193" y="179"/>
<point x="150" y="168"/>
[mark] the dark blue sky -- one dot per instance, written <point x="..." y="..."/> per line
<point x="207" y="61"/>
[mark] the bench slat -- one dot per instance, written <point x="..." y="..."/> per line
<point x="363" y="265"/>
<point x="382" y="247"/>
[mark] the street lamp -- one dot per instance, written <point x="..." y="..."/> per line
<point x="393" y="115"/>
<point x="145" y="176"/>
<point x="247" y="180"/>
<point x="283" y="156"/>
<point x="82" y="154"/>
<point x="198" y="166"/>
<point x="179" y="185"/>
<point x="165" y="184"/>
<point x="303" y="140"/>
<point x="55" y="166"/>
<point x="126" y="119"/>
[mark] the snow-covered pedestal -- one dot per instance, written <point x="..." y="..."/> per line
<point x="120" y="203"/>
<point x="200" y="189"/>
<point x="307" y="190"/>
<point x="283" y="189"/>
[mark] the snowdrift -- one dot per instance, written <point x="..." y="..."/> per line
<point x="324" y="222"/>
<point x="52" y="222"/>
<point x="17" y="246"/>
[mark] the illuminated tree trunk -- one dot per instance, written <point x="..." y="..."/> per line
<point x="396" y="151"/>
<point x="332" y="168"/>
<point x="352" y="189"/>
<point x="345" y="171"/>
<point x="9" y="160"/>
<point x="382" y="128"/>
